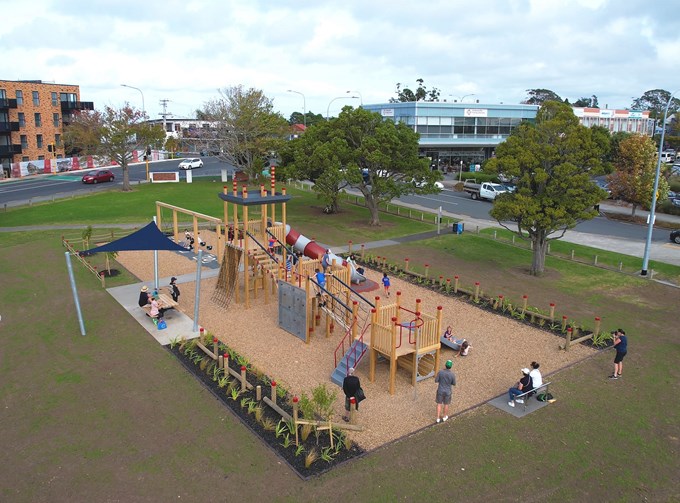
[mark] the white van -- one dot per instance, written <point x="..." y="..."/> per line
<point x="668" y="157"/>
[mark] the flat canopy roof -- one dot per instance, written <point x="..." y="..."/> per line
<point x="254" y="198"/>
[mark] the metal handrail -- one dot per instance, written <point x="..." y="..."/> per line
<point x="262" y="247"/>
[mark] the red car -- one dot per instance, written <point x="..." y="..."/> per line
<point x="100" y="175"/>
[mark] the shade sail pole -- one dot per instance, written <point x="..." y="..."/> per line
<point x="155" y="265"/>
<point x="74" y="290"/>
<point x="197" y="296"/>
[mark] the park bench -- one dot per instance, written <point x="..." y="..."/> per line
<point x="543" y="388"/>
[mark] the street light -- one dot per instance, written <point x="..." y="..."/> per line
<point x="328" y="109"/>
<point x="648" y="243"/>
<point x="361" y="98"/>
<point x="466" y="95"/>
<point x="140" y="92"/>
<point x="304" y="106"/>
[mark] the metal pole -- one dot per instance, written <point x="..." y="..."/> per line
<point x="155" y="263"/>
<point x="197" y="296"/>
<point x="140" y="92"/>
<point x="650" y="229"/>
<point x="439" y="220"/>
<point x="74" y="290"/>
<point x="304" y="107"/>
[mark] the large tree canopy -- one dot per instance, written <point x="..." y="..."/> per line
<point x="311" y="118"/>
<point x="633" y="180"/>
<point x="247" y="128"/>
<point x="655" y="101"/>
<point x="420" y="94"/>
<point x="552" y="161"/>
<point x="362" y="150"/>
<point x="114" y="133"/>
<point x="539" y="96"/>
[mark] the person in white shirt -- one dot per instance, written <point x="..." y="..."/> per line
<point x="535" y="374"/>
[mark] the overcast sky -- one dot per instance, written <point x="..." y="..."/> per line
<point x="184" y="51"/>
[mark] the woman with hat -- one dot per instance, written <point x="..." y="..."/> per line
<point x="144" y="296"/>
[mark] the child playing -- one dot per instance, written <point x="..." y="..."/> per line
<point x="386" y="284"/>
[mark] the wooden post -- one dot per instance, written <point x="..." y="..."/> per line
<point x="513" y="239"/>
<point x="226" y="364"/>
<point x="620" y="266"/>
<point x="363" y="250"/>
<point x="243" y="379"/>
<point x="328" y="326"/>
<point x="406" y="264"/>
<point x="352" y="410"/>
<point x="494" y="234"/>
<point x="372" y="352"/>
<point x="448" y="285"/>
<point x="476" y="290"/>
<point x="596" y="331"/>
<point x="441" y="280"/>
<point x="595" y="261"/>
<point x="215" y="346"/>
<point x="552" y="311"/>
<point x="567" y="341"/>
<point x="525" y="299"/>
<point x="564" y="323"/>
<point x="455" y="284"/>
<point x="393" y="356"/>
<point x="220" y="361"/>
<point x="499" y="304"/>
<point x="572" y="254"/>
<point x="349" y="246"/>
<point x="258" y="393"/>
<point x="427" y="270"/>
<point x="295" y="418"/>
<point x="384" y="263"/>
<point x="273" y="398"/>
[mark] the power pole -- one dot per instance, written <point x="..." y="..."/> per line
<point x="165" y="114"/>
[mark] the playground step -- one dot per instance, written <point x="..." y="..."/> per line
<point x="340" y="371"/>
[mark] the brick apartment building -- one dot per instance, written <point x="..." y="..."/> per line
<point x="32" y="118"/>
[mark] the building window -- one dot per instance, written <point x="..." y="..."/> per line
<point x="24" y="158"/>
<point x="22" y="119"/>
<point x="38" y="120"/>
<point x="39" y="141"/>
<point x="57" y="140"/>
<point x="55" y="120"/>
<point x="41" y="157"/>
<point x="20" y="97"/>
<point x="36" y="98"/>
<point x="55" y="101"/>
<point x="24" y="141"/>
<point x="3" y="94"/>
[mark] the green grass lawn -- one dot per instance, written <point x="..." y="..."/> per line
<point x="113" y="414"/>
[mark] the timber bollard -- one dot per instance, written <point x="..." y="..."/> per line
<point x="427" y="270"/>
<point x="384" y="262"/>
<point x="441" y="280"/>
<point x="258" y="393"/>
<point x="455" y="284"/>
<point x="596" y="331"/>
<point x="620" y="266"/>
<point x="406" y="264"/>
<point x="552" y="311"/>
<point x="363" y="249"/>
<point x="220" y="361"/>
<point x="572" y="254"/>
<point x="448" y="284"/>
<point x="499" y="303"/>
<point x="568" y="339"/>
<point x="564" y="323"/>
<point x="349" y="246"/>
<point x="295" y="417"/>
<point x="243" y="378"/>
<point x="352" y="410"/>
<point x="525" y="300"/>
<point x="476" y="290"/>
<point x="215" y="352"/>
<point x="513" y="239"/>
<point x="548" y="249"/>
<point x="273" y="398"/>
<point x="595" y="262"/>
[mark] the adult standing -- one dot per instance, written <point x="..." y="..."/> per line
<point x="350" y="385"/>
<point x="535" y="374"/>
<point x="326" y="260"/>
<point x="522" y="386"/>
<point x="445" y="379"/>
<point x="621" y="346"/>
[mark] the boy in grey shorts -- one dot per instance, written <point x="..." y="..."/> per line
<point x="445" y="380"/>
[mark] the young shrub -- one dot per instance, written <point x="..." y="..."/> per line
<point x="311" y="457"/>
<point x="223" y="381"/>
<point x="204" y="364"/>
<point x="327" y="454"/>
<point x="305" y="431"/>
<point x="323" y="400"/>
<point x="245" y="402"/>
<point x="286" y="441"/>
<point x="235" y="392"/>
<point x="281" y="428"/>
<point x="268" y="424"/>
<point x="299" y="450"/>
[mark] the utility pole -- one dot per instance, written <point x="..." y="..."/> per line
<point x="164" y="104"/>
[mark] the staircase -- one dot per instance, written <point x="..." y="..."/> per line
<point x="350" y="359"/>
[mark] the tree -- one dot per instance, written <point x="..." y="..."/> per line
<point x="299" y="118"/>
<point x="586" y="102"/>
<point x="362" y="150"/>
<point x="633" y="180"/>
<point x="420" y="94"/>
<point x="113" y="133"/>
<point x="539" y="96"/>
<point x="655" y="101"/>
<point x="247" y="128"/>
<point x="552" y="161"/>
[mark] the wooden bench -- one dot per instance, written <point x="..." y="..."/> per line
<point x="543" y="388"/>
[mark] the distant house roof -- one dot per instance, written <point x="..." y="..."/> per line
<point x="298" y="128"/>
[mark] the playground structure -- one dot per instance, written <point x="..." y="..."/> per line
<point x="255" y="255"/>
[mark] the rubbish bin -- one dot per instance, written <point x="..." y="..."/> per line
<point x="458" y="228"/>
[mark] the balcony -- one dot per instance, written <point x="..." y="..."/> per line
<point x="68" y="106"/>
<point x="6" y="103"/>
<point x="9" y="150"/>
<point x="8" y="127"/>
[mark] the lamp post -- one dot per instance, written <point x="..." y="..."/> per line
<point x="361" y="98"/>
<point x="465" y="96"/>
<point x="328" y="109"/>
<point x="304" y="107"/>
<point x="140" y="92"/>
<point x="650" y="228"/>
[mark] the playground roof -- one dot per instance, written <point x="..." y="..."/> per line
<point x="148" y="237"/>
<point x="255" y="199"/>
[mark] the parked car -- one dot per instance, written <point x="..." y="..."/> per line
<point x="675" y="236"/>
<point x="98" y="175"/>
<point x="191" y="163"/>
<point x="486" y="190"/>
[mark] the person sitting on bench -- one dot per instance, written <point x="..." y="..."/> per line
<point x="144" y="296"/>
<point x="522" y="386"/>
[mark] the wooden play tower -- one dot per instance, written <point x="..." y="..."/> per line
<point x="407" y="339"/>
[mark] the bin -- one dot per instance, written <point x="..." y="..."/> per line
<point x="458" y="228"/>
